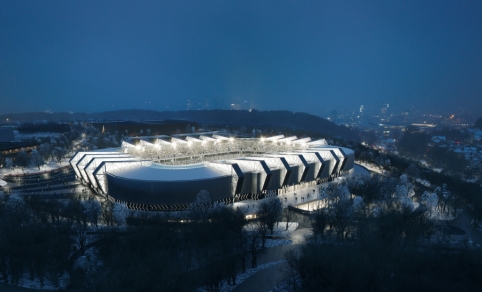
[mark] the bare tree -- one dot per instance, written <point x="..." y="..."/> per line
<point x="93" y="210"/>
<point x="254" y="243"/>
<point x="37" y="159"/>
<point x="288" y="215"/>
<point x="23" y="160"/>
<point x="8" y="163"/>
<point x="269" y="212"/>
<point x="319" y="221"/>
<point x="199" y="209"/>
<point x="242" y="248"/>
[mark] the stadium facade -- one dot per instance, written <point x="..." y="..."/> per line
<point x="166" y="173"/>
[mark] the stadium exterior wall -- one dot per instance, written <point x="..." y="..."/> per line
<point x="167" y="192"/>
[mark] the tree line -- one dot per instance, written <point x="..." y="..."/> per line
<point x="369" y="235"/>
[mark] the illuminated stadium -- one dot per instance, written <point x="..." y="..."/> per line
<point x="165" y="173"/>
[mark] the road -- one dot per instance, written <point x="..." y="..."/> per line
<point x="266" y="279"/>
<point x="463" y="221"/>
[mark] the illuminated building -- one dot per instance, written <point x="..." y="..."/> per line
<point x="166" y="172"/>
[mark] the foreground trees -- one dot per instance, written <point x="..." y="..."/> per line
<point x="165" y="254"/>
<point x="32" y="240"/>
<point x="379" y="207"/>
<point x="372" y="266"/>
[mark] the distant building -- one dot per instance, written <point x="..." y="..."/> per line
<point x="10" y="149"/>
<point x="146" y="128"/>
<point x="384" y="109"/>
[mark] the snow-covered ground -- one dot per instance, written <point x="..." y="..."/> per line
<point x="370" y="166"/>
<point x="444" y="216"/>
<point x="279" y="229"/>
<point x="47" y="285"/>
<point x="277" y="242"/>
<point x="25" y="136"/>
<point x="361" y="170"/>
<point x="424" y="182"/>
<point x="33" y="169"/>
<point x="280" y="233"/>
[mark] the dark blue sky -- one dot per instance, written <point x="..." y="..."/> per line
<point x="312" y="56"/>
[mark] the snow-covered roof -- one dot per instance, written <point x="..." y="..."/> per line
<point x="157" y="172"/>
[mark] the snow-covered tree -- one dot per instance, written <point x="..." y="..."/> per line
<point x="23" y="159"/>
<point x="357" y="204"/>
<point x="17" y="211"/>
<point x="37" y="159"/>
<point x="413" y="172"/>
<point x="407" y="204"/>
<point x="430" y="200"/>
<point x="45" y="150"/>
<point x="8" y="163"/>
<point x="120" y="213"/>
<point x="199" y="209"/>
<point x="269" y="212"/>
<point x="93" y="210"/>
<point x="59" y="153"/>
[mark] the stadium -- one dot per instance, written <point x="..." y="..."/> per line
<point x="165" y="173"/>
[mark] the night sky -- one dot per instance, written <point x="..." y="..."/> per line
<point x="313" y="56"/>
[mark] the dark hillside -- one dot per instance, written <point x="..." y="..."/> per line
<point x="250" y="119"/>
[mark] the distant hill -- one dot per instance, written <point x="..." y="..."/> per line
<point x="250" y="119"/>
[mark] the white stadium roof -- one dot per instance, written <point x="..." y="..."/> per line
<point x="157" y="172"/>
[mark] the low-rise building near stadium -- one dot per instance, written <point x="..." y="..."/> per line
<point x="167" y="172"/>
